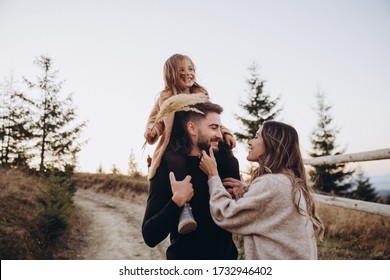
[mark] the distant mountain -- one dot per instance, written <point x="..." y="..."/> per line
<point x="383" y="192"/>
<point x="381" y="183"/>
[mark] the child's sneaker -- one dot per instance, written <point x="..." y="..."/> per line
<point x="187" y="222"/>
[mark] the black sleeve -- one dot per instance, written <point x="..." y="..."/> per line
<point x="161" y="213"/>
<point x="227" y="163"/>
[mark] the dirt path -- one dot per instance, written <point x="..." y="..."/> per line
<point x="113" y="228"/>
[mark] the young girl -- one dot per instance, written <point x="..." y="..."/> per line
<point x="179" y="78"/>
<point x="277" y="214"/>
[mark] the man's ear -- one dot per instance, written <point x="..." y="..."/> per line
<point x="191" y="128"/>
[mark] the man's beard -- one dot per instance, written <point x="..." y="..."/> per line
<point x="204" y="143"/>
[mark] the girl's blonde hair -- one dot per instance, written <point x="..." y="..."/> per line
<point x="171" y="75"/>
<point x="283" y="155"/>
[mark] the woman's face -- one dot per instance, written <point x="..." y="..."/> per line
<point x="256" y="147"/>
<point x="186" y="77"/>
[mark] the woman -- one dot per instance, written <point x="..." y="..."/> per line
<point x="276" y="215"/>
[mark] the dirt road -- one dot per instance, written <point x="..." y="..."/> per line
<point x="112" y="228"/>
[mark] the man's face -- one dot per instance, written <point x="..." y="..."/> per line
<point x="209" y="132"/>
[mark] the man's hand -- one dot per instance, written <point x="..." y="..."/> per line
<point x="235" y="187"/>
<point x="182" y="190"/>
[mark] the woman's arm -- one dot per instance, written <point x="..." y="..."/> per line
<point x="246" y="215"/>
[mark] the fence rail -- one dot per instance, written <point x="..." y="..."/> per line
<point x="370" y="207"/>
<point x="363" y="156"/>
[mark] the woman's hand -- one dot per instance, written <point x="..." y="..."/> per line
<point x="235" y="187"/>
<point x="208" y="164"/>
<point x="182" y="190"/>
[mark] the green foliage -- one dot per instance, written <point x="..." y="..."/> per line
<point x="56" y="135"/>
<point x="15" y="126"/>
<point x="56" y="200"/>
<point x="364" y="189"/>
<point x="258" y="108"/>
<point x="328" y="178"/>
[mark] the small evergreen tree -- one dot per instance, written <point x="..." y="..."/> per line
<point x="133" y="166"/>
<point x="56" y="137"/>
<point x="115" y="170"/>
<point x="15" y="126"/>
<point x="364" y="189"/>
<point x="329" y="178"/>
<point x="259" y="107"/>
<point x="100" y="169"/>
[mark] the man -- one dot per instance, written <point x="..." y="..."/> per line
<point x="167" y="196"/>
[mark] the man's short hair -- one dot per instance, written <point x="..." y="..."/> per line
<point x="205" y="108"/>
<point x="179" y="131"/>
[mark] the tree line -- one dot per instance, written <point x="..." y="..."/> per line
<point x="38" y="128"/>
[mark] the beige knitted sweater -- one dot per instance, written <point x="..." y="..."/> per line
<point x="271" y="226"/>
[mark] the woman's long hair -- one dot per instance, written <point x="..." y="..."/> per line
<point x="171" y="75"/>
<point x="283" y="155"/>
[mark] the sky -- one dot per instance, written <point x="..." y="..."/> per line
<point x="111" y="54"/>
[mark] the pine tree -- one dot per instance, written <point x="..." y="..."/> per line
<point x="133" y="166"/>
<point x="329" y="178"/>
<point x="57" y="139"/>
<point x="259" y="107"/>
<point x="364" y="189"/>
<point x="115" y="170"/>
<point x="100" y="169"/>
<point x="15" y="126"/>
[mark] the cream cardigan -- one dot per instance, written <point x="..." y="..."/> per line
<point x="271" y="226"/>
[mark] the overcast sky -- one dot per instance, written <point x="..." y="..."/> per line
<point x="111" y="54"/>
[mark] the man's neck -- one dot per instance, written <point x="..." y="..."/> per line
<point x="196" y="151"/>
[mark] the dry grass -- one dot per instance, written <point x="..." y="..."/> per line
<point x="35" y="214"/>
<point x="352" y="234"/>
<point x="133" y="188"/>
<point x="21" y="237"/>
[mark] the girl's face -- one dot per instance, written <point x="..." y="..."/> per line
<point x="256" y="147"/>
<point x="186" y="75"/>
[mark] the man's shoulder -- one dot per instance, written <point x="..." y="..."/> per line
<point x="161" y="171"/>
<point x="224" y="152"/>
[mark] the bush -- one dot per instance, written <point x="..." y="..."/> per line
<point x="57" y="208"/>
<point x="35" y="213"/>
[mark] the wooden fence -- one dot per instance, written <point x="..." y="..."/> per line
<point x="370" y="207"/>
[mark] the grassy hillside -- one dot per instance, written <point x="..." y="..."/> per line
<point x="36" y="213"/>
<point x="350" y="234"/>
<point x="20" y="236"/>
